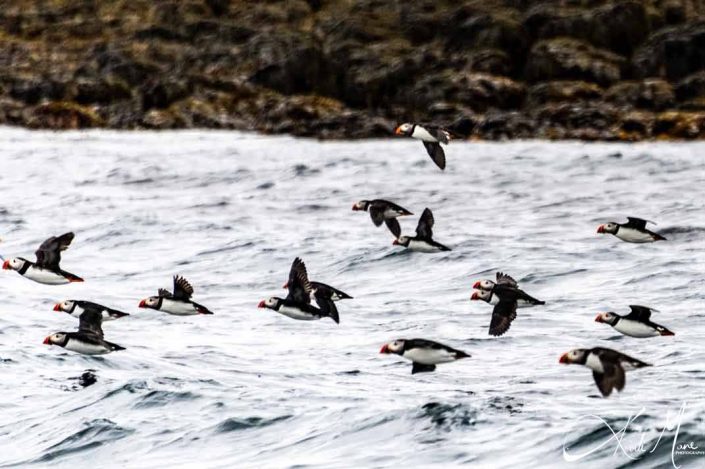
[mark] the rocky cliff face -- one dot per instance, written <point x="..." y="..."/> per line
<point x="586" y="69"/>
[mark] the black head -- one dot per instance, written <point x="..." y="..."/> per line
<point x="610" y="227"/>
<point x="361" y="205"/>
<point x="402" y="241"/>
<point x="404" y="129"/>
<point x="608" y="318"/>
<point x="57" y="338"/>
<point x="577" y="356"/>
<point x="394" y="347"/>
<point x="153" y="302"/>
<point x="271" y="303"/>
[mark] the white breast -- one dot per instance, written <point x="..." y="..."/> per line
<point x="631" y="235"/>
<point x="635" y="329"/>
<point x="85" y="348"/>
<point x="178" y="308"/>
<point x="390" y="213"/>
<point x="296" y="313"/>
<point x="421" y="246"/>
<point x="593" y="362"/>
<point x="44" y="276"/>
<point x="422" y="134"/>
<point x="428" y="356"/>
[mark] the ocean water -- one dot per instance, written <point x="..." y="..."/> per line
<point x="247" y="387"/>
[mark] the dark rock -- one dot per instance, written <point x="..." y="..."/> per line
<point x="672" y="53"/>
<point x="63" y="115"/>
<point x="692" y="86"/>
<point x="160" y="94"/>
<point x="557" y="91"/>
<point x="652" y="94"/>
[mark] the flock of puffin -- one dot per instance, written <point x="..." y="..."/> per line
<point x="608" y="366"/>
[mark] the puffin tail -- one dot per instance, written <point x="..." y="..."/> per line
<point x="115" y="347"/>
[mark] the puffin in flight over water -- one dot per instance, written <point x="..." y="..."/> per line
<point x="297" y="304"/>
<point x="423" y="241"/>
<point x="383" y="211"/>
<point x="607" y="365"/>
<point x="46" y="270"/>
<point x="88" y="340"/>
<point x="424" y="354"/>
<point x="77" y="307"/>
<point x="634" y="231"/>
<point x="431" y="136"/>
<point x="635" y="324"/>
<point x="178" y="303"/>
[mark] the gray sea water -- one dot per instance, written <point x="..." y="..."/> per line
<point x="250" y="388"/>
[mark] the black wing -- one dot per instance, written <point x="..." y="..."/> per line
<point x="90" y="322"/>
<point x="327" y="291"/>
<point x="502" y="316"/>
<point x="387" y="204"/>
<point x="639" y="313"/>
<point x="637" y="223"/>
<point x="613" y="377"/>
<point x="393" y="226"/>
<point x="377" y="214"/>
<point x="424" y="229"/>
<point x="419" y="368"/>
<point x="182" y="289"/>
<point x="505" y="279"/>
<point x="436" y="153"/>
<point x="439" y="133"/>
<point x="326" y="304"/>
<point x="164" y="293"/>
<point x="299" y="286"/>
<point x="49" y="253"/>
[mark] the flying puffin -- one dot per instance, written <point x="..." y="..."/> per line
<point x="492" y="299"/>
<point x="88" y="340"/>
<point x="383" y="211"/>
<point x="424" y="354"/>
<point x="297" y="304"/>
<point x="607" y="365"/>
<point x="77" y="307"/>
<point x="634" y="231"/>
<point x="324" y="295"/>
<point x="431" y="136"/>
<point x="46" y="270"/>
<point x="179" y="303"/>
<point x="505" y="280"/>
<point x="423" y="241"/>
<point x="635" y="324"/>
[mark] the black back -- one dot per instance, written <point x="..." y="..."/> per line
<point x="49" y="253"/>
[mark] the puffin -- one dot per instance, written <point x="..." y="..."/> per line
<point x="607" y="365"/>
<point x="324" y="295"/>
<point x="383" y="211"/>
<point x="503" y="280"/>
<point x="634" y="231"/>
<point x="88" y="340"/>
<point x="635" y="324"/>
<point x="178" y="303"/>
<point x="423" y="241"/>
<point x="424" y="354"/>
<point x="77" y="307"/>
<point x="297" y="304"/>
<point x="492" y="299"/>
<point x="431" y="136"/>
<point x="46" y="270"/>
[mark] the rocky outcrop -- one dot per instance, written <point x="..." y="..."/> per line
<point x="587" y="69"/>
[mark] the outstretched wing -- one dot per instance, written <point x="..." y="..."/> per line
<point x="377" y="214"/>
<point x="164" y="293"/>
<point x="299" y="286"/>
<point x="637" y="223"/>
<point x="90" y="322"/>
<point x="393" y="226"/>
<point x="502" y="316"/>
<point x="639" y="313"/>
<point x="613" y="377"/>
<point x="182" y="289"/>
<point x="436" y="153"/>
<point x="49" y="253"/>
<point x="424" y="229"/>
<point x="504" y="279"/>
<point x="439" y="133"/>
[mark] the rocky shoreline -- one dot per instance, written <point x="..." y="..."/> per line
<point x="584" y="69"/>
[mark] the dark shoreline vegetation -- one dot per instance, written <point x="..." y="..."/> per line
<point x="582" y="69"/>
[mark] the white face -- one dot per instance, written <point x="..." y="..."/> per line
<point x="395" y="346"/>
<point x="405" y="128"/>
<point x="360" y="205"/>
<point x="610" y="227"/>
<point x="14" y="264"/>
<point x="403" y="240"/>
<point x="480" y="295"/>
<point x="57" y="338"/>
<point x="485" y="285"/>
<point x="270" y="302"/>
<point x="607" y="317"/>
<point x="151" y="302"/>
<point x="574" y="356"/>
<point x="66" y="306"/>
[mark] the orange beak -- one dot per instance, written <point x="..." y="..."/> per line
<point x="286" y="285"/>
<point x="601" y="229"/>
<point x="355" y="208"/>
<point x="6" y="265"/>
<point x="57" y="307"/>
<point x="398" y="131"/>
<point x="598" y="318"/>
<point x="143" y="304"/>
<point x="564" y="359"/>
<point x="395" y="243"/>
<point x="384" y="349"/>
<point x="261" y="304"/>
<point x="476" y="285"/>
<point x="46" y="341"/>
<point x="475" y="296"/>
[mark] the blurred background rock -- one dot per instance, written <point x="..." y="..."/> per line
<point x="588" y="69"/>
